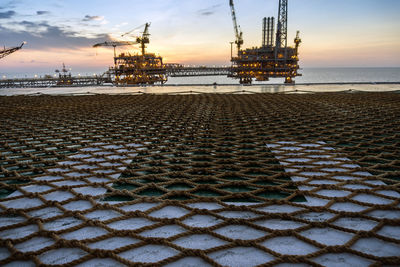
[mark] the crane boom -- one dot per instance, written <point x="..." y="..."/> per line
<point x="142" y="40"/>
<point x="133" y="30"/>
<point x="114" y="44"/>
<point x="146" y="33"/>
<point x="8" y="51"/>
<point x="238" y="32"/>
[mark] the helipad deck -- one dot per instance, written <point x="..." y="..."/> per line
<point x="197" y="180"/>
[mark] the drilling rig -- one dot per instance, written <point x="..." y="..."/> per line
<point x="132" y="69"/>
<point x="270" y="60"/>
<point x="11" y="50"/>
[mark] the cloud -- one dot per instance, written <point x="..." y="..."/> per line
<point x="33" y="61"/>
<point x="10" y="4"/>
<point x="41" y="35"/>
<point x="7" y="14"/>
<point x="28" y="24"/>
<point x="92" y="18"/>
<point x="42" y="12"/>
<point x="208" y="11"/>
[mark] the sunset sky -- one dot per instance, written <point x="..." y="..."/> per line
<point x="340" y="33"/>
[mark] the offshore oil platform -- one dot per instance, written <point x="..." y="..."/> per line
<point x="273" y="59"/>
<point x="144" y="68"/>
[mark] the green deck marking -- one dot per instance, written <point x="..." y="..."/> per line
<point x="28" y="167"/>
<point x="5" y="192"/>
<point x="182" y="198"/>
<point x="368" y="162"/>
<point x="265" y="183"/>
<point x="151" y="192"/>
<point x="118" y="198"/>
<point x="215" y="168"/>
<point x="233" y="178"/>
<point x="298" y="199"/>
<point x="237" y="189"/>
<point x="273" y="195"/>
<point x="179" y="186"/>
<point x="124" y="186"/>
<point x="206" y="193"/>
<point x="241" y="200"/>
<point x="207" y="182"/>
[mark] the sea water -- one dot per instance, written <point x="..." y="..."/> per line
<point x="309" y="75"/>
<point x="312" y="79"/>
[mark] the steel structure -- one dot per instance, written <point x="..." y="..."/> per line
<point x="177" y="70"/>
<point x="131" y="69"/>
<point x="9" y="51"/>
<point x="114" y="44"/>
<point x="268" y="61"/>
<point x="64" y="79"/>
<point x="139" y="69"/>
<point x="54" y="82"/>
<point x="281" y="31"/>
<point x="148" y="75"/>
<point x="238" y="32"/>
<point x="268" y="30"/>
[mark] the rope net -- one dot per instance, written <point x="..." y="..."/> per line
<point x="239" y="180"/>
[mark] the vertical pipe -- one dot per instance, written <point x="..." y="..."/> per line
<point x="264" y="29"/>
<point x="268" y="32"/>
<point x="272" y="31"/>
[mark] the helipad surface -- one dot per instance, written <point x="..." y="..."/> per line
<point x="197" y="180"/>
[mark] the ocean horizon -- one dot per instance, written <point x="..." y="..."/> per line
<point x="309" y="75"/>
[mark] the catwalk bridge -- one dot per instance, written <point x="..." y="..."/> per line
<point x="177" y="70"/>
<point x="171" y="70"/>
<point x="53" y="82"/>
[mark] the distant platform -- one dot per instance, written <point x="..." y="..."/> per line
<point x="200" y="180"/>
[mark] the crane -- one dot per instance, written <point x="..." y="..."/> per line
<point x="11" y="50"/>
<point x="144" y="39"/>
<point x="238" y="32"/>
<point x="115" y="44"/>
<point x="138" y="27"/>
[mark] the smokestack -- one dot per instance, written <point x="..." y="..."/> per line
<point x="268" y="32"/>
<point x="272" y="31"/>
<point x="264" y="30"/>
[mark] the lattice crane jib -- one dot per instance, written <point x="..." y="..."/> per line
<point x="145" y="38"/>
<point x="236" y="27"/>
<point x="114" y="44"/>
<point x="9" y="51"/>
<point x="142" y="40"/>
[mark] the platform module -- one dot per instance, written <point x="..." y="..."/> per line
<point x="273" y="59"/>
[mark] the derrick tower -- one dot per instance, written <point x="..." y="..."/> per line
<point x="271" y="59"/>
<point x="281" y="31"/>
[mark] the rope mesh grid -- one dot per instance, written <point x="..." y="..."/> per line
<point x="160" y="179"/>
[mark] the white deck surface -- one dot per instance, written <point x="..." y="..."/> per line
<point x="238" y="256"/>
